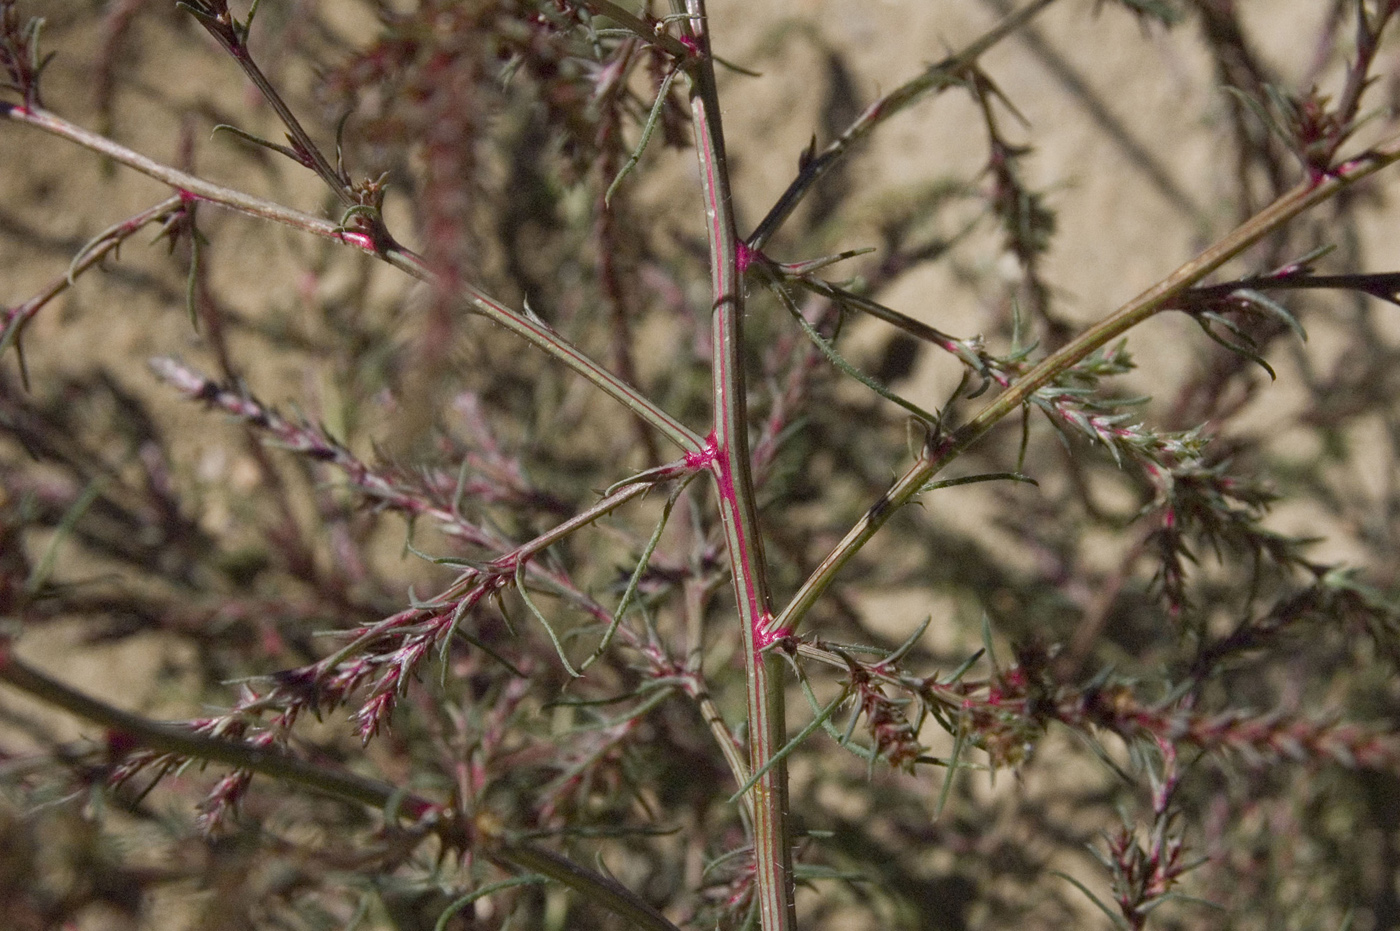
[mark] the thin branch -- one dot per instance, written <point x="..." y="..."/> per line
<point x="102" y="245"/>
<point x="938" y="77"/>
<point x="531" y="328"/>
<point x="233" y="36"/>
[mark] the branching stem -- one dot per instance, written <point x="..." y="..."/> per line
<point x="1165" y="295"/>
<point x="731" y="467"/>
<point x="937" y="77"/>
<point x="530" y="328"/>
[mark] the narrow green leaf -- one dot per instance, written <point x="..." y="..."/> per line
<point x="459" y="904"/>
<point x="256" y="140"/>
<point x="798" y="269"/>
<point x="544" y="621"/>
<point x="626" y="601"/>
<point x="648" y="128"/>
<point x="192" y="280"/>
<point x="975" y="479"/>
<point x="908" y="643"/>
<point x="43" y="569"/>
<point x="959" y="742"/>
<point x="1204" y="321"/>
<point x="966" y="665"/>
<point x="791" y="745"/>
<point x="1264" y="302"/>
<point x="836" y="359"/>
<point x="1118" y="920"/>
<point x="247" y="25"/>
<point x="987" y="643"/>
<point x="649" y="476"/>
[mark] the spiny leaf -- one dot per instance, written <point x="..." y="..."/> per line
<point x="1261" y="302"/>
<point x="1242" y="348"/>
<point x="626" y="601"/>
<point x="544" y="621"/>
<point x="43" y="569"/>
<point x="959" y="743"/>
<point x="257" y="140"/>
<point x="1155" y="9"/>
<point x="657" y="107"/>
<point x="1118" y="920"/>
<point x="798" y="269"/>
<point x="792" y="744"/>
<point x="838" y="360"/>
<point x="975" y="479"/>
<point x="457" y="905"/>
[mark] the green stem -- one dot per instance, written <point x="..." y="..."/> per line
<point x="1162" y="296"/>
<point x="738" y="510"/>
